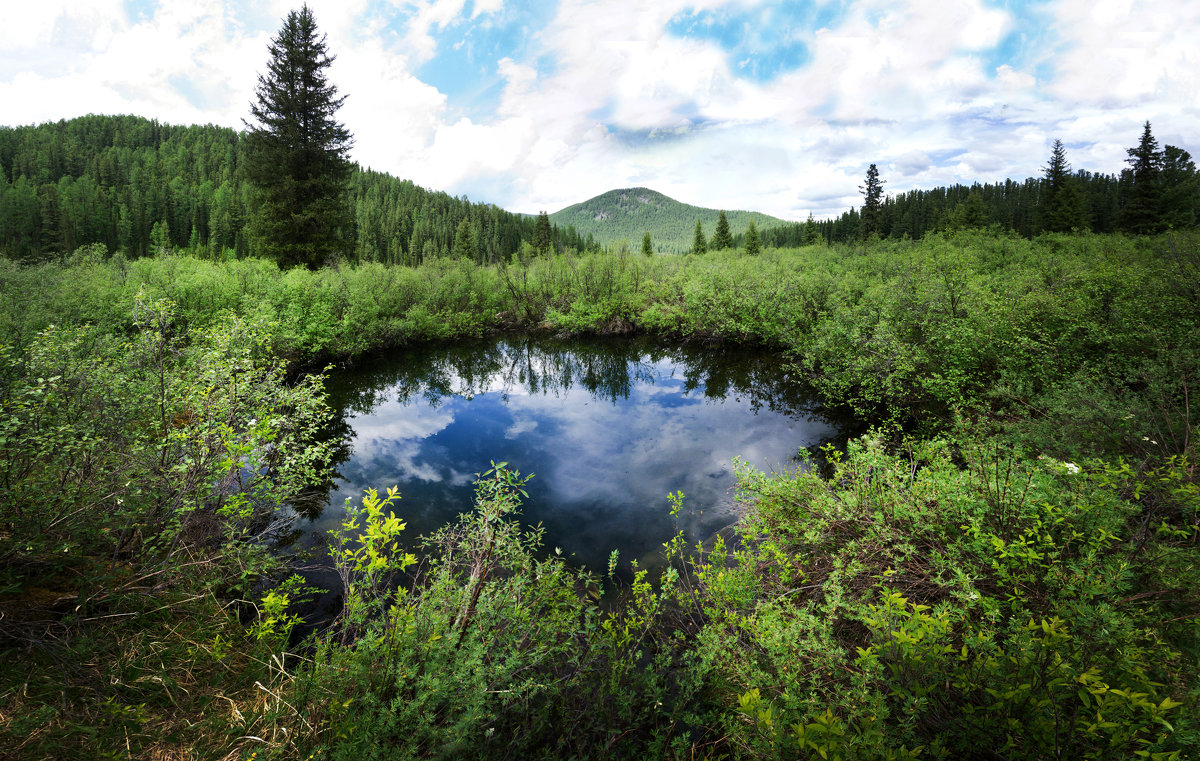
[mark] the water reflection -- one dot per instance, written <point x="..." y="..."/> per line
<point x="608" y="427"/>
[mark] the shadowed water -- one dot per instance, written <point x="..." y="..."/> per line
<point x="607" y="427"/>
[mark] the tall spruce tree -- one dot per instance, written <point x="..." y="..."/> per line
<point x="297" y="152"/>
<point x="721" y="238"/>
<point x="872" y="202"/>
<point x="699" y="245"/>
<point x="1143" y="200"/>
<point x="647" y="245"/>
<point x="1061" y="205"/>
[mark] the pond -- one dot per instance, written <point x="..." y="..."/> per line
<point x="607" y="428"/>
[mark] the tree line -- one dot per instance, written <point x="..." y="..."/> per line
<point x="1159" y="190"/>
<point x="136" y="185"/>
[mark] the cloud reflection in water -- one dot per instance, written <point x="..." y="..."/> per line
<point x="607" y="427"/>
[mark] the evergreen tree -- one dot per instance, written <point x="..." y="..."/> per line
<point x="872" y="202"/>
<point x="810" y="235"/>
<point x="160" y="236"/>
<point x="296" y="153"/>
<point x="1061" y="204"/>
<point x="721" y="238"/>
<point x="464" y="240"/>
<point x="1180" y="189"/>
<point x="647" y="245"/>
<point x="752" y="245"/>
<point x="699" y="245"/>
<point x="1142" y="214"/>
<point x="543" y="236"/>
<point x="968" y="213"/>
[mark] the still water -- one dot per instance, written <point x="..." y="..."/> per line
<point x="607" y="427"/>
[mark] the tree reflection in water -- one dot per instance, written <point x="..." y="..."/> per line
<point x="608" y="427"/>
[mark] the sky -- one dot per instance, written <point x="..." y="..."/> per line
<point x="776" y="107"/>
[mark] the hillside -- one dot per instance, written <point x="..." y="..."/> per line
<point x="134" y="184"/>
<point x="628" y="213"/>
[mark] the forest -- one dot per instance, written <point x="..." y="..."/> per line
<point x="1165" y="197"/>
<point x="138" y="186"/>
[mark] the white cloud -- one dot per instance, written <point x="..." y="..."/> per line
<point x="154" y="67"/>
<point x="604" y="96"/>
<point x="37" y="25"/>
<point x="428" y="16"/>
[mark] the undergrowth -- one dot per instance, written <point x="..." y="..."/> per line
<point x="1004" y="568"/>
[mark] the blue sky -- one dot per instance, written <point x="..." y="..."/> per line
<point x="772" y="106"/>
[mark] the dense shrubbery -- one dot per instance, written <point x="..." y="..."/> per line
<point x="135" y="470"/>
<point x="905" y="602"/>
<point x="1007" y="566"/>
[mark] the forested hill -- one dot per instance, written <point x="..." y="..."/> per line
<point x="627" y="214"/>
<point x="135" y="184"/>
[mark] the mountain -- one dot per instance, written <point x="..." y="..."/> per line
<point x="628" y="213"/>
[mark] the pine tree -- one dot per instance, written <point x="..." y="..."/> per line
<point x="1180" y="189"/>
<point x="969" y="213"/>
<point x="1062" y="204"/>
<point x="721" y="238"/>
<point x="699" y="245"/>
<point x="296" y="153"/>
<point x="872" y="202"/>
<point x="810" y="235"/>
<point x="464" y="240"/>
<point x="542" y="234"/>
<point x="647" y="245"/>
<point x="1142" y="214"/>
<point x="752" y="245"/>
<point x="160" y="236"/>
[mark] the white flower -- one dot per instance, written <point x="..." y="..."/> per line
<point x="1071" y="467"/>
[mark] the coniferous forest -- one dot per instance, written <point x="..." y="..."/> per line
<point x="1000" y="561"/>
<point x="136" y="186"/>
<point x="1058" y="201"/>
<point x="133" y="184"/>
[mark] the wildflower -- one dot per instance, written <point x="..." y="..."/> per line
<point x="1071" y="467"/>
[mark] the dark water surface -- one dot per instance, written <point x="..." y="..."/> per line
<point x="607" y="427"/>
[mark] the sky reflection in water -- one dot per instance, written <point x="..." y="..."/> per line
<point x="609" y="428"/>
